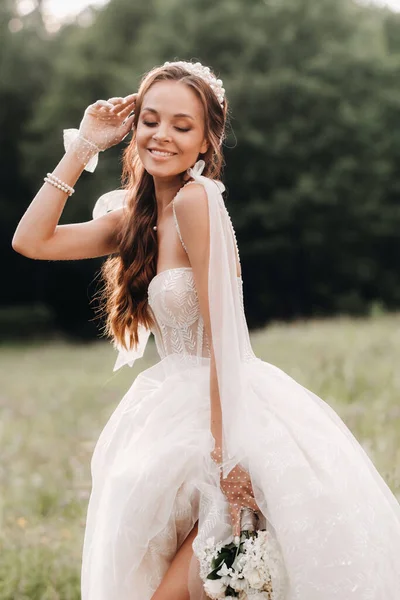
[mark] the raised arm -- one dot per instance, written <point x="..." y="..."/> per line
<point x="38" y="234"/>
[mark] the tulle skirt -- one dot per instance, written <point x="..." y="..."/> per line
<point x="335" y="519"/>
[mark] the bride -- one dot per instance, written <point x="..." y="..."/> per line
<point x="210" y="429"/>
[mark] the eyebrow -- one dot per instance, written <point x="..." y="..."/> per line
<point x="152" y="110"/>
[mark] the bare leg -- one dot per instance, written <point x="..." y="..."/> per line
<point x="174" y="585"/>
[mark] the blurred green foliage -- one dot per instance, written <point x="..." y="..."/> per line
<point x="312" y="152"/>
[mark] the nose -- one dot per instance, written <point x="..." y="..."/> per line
<point x="162" y="133"/>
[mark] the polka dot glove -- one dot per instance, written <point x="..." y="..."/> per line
<point x="105" y="123"/>
<point x="238" y="490"/>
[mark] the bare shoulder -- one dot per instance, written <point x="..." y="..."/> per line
<point x="109" y="225"/>
<point x="115" y="218"/>
<point x="191" y="205"/>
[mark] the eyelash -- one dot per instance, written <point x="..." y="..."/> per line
<point x="152" y="125"/>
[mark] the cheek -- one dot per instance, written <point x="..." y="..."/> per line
<point x="191" y="143"/>
<point x="142" y="135"/>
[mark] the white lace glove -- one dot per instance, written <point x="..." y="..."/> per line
<point x="237" y="488"/>
<point x="105" y="123"/>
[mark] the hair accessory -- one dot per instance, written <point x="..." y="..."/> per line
<point x="61" y="185"/>
<point x="204" y="73"/>
<point x="197" y="168"/>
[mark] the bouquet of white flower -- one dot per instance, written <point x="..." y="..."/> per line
<point x="249" y="566"/>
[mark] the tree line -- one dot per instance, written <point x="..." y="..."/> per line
<point x="312" y="152"/>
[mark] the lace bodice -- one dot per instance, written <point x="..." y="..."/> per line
<point x="173" y="301"/>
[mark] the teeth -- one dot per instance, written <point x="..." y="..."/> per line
<point x="161" y="153"/>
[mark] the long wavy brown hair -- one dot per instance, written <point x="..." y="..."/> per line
<point x="126" y="276"/>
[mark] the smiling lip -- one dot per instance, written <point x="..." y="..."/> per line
<point x="160" y="154"/>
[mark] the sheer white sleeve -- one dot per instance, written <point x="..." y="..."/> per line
<point x="108" y="202"/>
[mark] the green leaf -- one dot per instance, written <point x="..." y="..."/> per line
<point x="213" y="575"/>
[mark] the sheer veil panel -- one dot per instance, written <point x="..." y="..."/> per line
<point x="230" y="336"/>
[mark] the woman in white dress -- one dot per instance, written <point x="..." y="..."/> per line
<point x="210" y="428"/>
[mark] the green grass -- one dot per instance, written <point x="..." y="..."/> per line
<point x="55" y="398"/>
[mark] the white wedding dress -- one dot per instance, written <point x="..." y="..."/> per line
<point x="335" y="519"/>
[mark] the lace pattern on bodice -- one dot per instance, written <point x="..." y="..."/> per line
<point x="179" y="326"/>
<point x="173" y="302"/>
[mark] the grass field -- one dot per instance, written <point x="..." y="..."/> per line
<point x="56" y="397"/>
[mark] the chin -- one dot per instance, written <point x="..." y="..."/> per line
<point x="164" y="170"/>
<point x="162" y="173"/>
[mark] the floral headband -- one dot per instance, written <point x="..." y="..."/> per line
<point x="205" y="73"/>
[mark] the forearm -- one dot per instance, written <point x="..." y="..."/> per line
<point x="40" y="220"/>
<point x="215" y="412"/>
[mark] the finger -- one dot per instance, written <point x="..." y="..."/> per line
<point x="252" y="499"/>
<point x="103" y="104"/>
<point x="235" y="512"/>
<point x="126" y="111"/>
<point x="250" y="502"/>
<point x="115" y="99"/>
<point x="119" y="108"/>
<point x="131" y="99"/>
<point x="127" y="126"/>
<point x="128" y="120"/>
<point x="247" y="499"/>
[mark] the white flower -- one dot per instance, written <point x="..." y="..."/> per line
<point x="239" y="585"/>
<point x="255" y="579"/>
<point x="258" y="596"/>
<point x="224" y="571"/>
<point x="214" y="588"/>
<point x="225" y="574"/>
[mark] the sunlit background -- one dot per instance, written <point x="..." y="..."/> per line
<point x="60" y="10"/>
<point x="57" y="12"/>
<point x="312" y="174"/>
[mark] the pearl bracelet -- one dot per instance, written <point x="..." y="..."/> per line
<point x="61" y="185"/>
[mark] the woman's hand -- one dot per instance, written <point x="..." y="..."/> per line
<point x="238" y="490"/>
<point x="107" y="122"/>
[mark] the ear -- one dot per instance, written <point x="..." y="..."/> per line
<point x="204" y="147"/>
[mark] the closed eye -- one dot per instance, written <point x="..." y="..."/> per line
<point x="154" y="123"/>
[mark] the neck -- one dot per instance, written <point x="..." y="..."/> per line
<point x="165" y="190"/>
